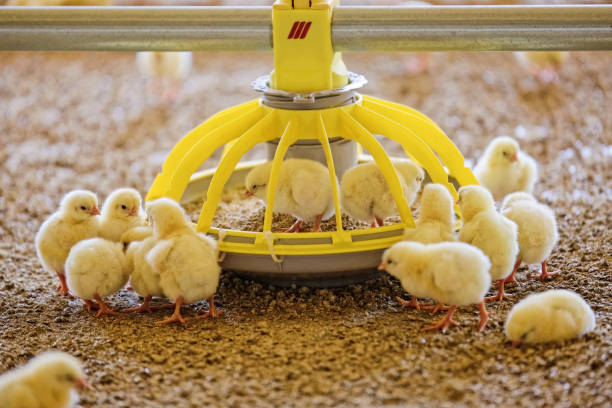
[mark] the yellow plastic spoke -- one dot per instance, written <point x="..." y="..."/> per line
<point x="355" y="131"/>
<point x="324" y="140"/>
<point x="259" y="133"/>
<point x="290" y="136"/>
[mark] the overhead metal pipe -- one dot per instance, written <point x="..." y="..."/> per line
<point x="436" y="28"/>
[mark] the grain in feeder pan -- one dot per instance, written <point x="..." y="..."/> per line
<point x="309" y="109"/>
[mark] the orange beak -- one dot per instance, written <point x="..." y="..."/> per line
<point x="514" y="158"/>
<point x="82" y="384"/>
<point x="95" y="211"/>
<point x="382" y="267"/>
<point x="133" y="212"/>
<point x="248" y="193"/>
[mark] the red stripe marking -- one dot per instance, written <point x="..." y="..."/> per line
<point x="298" y="32"/>
<point x="305" y="31"/>
<point x="295" y="25"/>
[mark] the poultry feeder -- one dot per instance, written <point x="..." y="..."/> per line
<point x="310" y="99"/>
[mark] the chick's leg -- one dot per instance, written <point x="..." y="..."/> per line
<point x="511" y="277"/>
<point x="380" y="221"/>
<point x="91" y="305"/>
<point x="484" y="316"/>
<point x="104" y="309"/>
<point x="413" y="302"/>
<point x="176" y="316"/>
<point x="63" y="287"/>
<point x="212" y="312"/>
<point x="296" y="226"/>
<point x="500" y="292"/>
<point x="545" y="274"/>
<point x="142" y="308"/>
<point x="445" y="322"/>
<point x="317" y="224"/>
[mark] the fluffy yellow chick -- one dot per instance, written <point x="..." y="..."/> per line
<point x="185" y="260"/>
<point x="304" y="190"/>
<point x="365" y="194"/>
<point x="436" y="221"/>
<point x="504" y="169"/>
<point x="47" y="381"/>
<point x="165" y="71"/>
<point x="144" y="280"/>
<point x="549" y="316"/>
<point x="97" y="268"/>
<point x="74" y="221"/>
<point x="545" y="65"/>
<point x="490" y="231"/>
<point x="120" y="212"/>
<point x="448" y="272"/>
<point x="537" y="230"/>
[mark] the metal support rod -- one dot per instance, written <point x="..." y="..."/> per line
<point x="446" y="28"/>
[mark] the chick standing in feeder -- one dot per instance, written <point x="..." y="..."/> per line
<point x="165" y="71"/>
<point x="97" y="268"/>
<point x="537" y="230"/>
<point x="120" y="212"/>
<point x="549" y="316"/>
<point x="185" y="260"/>
<point x="74" y="221"/>
<point x="448" y="272"/>
<point x="365" y="194"/>
<point x="144" y="279"/>
<point x="436" y="220"/>
<point x="47" y="381"/>
<point x="504" y="169"/>
<point x="488" y="230"/>
<point x="304" y="190"/>
<point x="544" y="65"/>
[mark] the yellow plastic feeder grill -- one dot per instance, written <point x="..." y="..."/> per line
<point x="309" y="98"/>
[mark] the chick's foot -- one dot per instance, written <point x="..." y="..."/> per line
<point x="212" y="312"/>
<point x="176" y="316"/>
<point x="413" y="303"/>
<point x="511" y="277"/>
<point x="501" y="294"/>
<point x="484" y="316"/>
<point x="545" y="274"/>
<point x="142" y="308"/>
<point x="445" y="322"/>
<point x="63" y="286"/>
<point x="103" y="308"/>
<point x="438" y="307"/>
<point x="295" y="227"/>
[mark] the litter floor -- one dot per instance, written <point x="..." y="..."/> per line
<point x="77" y="120"/>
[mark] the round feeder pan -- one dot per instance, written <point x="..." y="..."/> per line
<point x="320" y="270"/>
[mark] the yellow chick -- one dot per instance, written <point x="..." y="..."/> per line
<point x="545" y="65"/>
<point x="490" y="231"/>
<point x="504" y="169"/>
<point x="448" y="272"/>
<point x="537" y="230"/>
<point x="304" y="190"/>
<point x="97" y="268"/>
<point x="553" y="315"/>
<point x="185" y="260"/>
<point x="74" y="221"/>
<point x="144" y="280"/>
<point x="165" y="71"/>
<point x="120" y="212"/>
<point x="47" y="381"/>
<point x="436" y="221"/>
<point x="365" y="194"/>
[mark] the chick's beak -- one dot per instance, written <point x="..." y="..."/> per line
<point x="95" y="211"/>
<point x="133" y="212"/>
<point x="514" y="157"/>
<point x="82" y="384"/>
<point x="248" y="193"/>
<point x="382" y="267"/>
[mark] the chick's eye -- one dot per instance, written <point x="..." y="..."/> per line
<point x="505" y="153"/>
<point x="254" y="186"/>
<point x="83" y="208"/>
<point x="389" y="261"/>
<point x="123" y="207"/>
